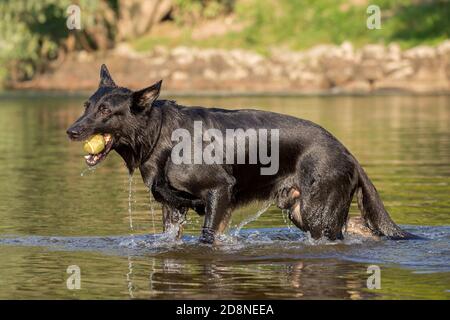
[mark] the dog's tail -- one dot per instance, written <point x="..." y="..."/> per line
<point x="375" y="216"/>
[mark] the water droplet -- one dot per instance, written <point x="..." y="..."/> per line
<point x="130" y="208"/>
<point x="252" y="218"/>
<point x="129" y="280"/>
<point x="152" y="212"/>
<point x="130" y="196"/>
<point x="87" y="170"/>
<point x="287" y="221"/>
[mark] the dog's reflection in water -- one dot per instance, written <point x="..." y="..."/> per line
<point x="221" y="279"/>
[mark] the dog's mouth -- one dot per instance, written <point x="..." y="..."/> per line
<point x="94" y="159"/>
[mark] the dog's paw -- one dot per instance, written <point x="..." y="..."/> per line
<point x="208" y="236"/>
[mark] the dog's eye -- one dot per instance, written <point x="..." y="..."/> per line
<point x="104" y="110"/>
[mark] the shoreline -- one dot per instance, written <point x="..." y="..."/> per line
<point x="321" y="70"/>
<point x="167" y="94"/>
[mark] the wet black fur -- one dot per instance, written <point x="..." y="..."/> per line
<point x="311" y="160"/>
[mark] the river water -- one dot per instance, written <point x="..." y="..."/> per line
<point x="54" y="213"/>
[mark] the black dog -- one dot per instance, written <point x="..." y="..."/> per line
<point x="316" y="178"/>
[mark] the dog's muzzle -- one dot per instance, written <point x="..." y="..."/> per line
<point x="94" y="159"/>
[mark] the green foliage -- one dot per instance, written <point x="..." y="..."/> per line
<point x="19" y="41"/>
<point x="188" y="11"/>
<point x="32" y="32"/>
<point x="419" y="22"/>
<point x="303" y="23"/>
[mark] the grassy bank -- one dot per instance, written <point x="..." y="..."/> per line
<point x="300" y="24"/>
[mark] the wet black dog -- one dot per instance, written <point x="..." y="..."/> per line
<point x="315" y="181"/>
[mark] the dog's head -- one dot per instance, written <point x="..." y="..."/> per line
<point x="113" y="112"/>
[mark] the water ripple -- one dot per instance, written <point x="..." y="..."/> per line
<point x="431" y="255"/>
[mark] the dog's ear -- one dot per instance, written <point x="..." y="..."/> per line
<point x="105" y="78"/>
<point x="145" y="97"/>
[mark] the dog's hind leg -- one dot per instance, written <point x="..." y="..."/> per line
<point x="326" y="195"/>
<point x="174" y="219"/>
<point x="324" y="214"/>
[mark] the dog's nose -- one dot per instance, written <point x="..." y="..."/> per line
<point x="73" y="133"/>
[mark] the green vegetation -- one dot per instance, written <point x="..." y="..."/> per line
<point x="22" y="42"/>
<point x="34" y="32"/>
<point x="300" y="24"/>
<point x="189" y="11"/>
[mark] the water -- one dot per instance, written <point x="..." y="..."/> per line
<point x="252" y="218"/>
<point x="51" y="217"/>
<point x="130" y="202"/>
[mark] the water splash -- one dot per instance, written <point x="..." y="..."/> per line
<point x="251" y="218"/>
<point x="152" y="212"/>
<point x="150" y="277"/>
<point x="129" y="280"/>
<point x="87" y="170"/>
<point x="171" y="234"/>
<point x="287" y="221"/>
<point x="130" y="199"/>
<point x="130" y="208"/>
<point x="263" y="243"/>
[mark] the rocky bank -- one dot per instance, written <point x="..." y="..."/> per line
<point x="322" y="69"/>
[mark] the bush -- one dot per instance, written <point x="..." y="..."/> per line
<point x="34" y="32"/>
<point x="189" y="11"/>
<point x="303" y="23"/>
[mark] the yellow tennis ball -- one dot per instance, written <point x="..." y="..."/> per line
<point x="95" y="144"/>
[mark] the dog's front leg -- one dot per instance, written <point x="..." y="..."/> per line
<point x="173" y="219"/>
<point x="217" y="215"/>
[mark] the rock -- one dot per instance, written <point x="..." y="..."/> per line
<point x="210" y="74"/>
<point x="178" y="76"/>
<point x="338" y="64"/>
<point x="324" y="68"/>
<point x="394" y="52"/>
<point x="398" y="69"/>
<point x="373" y="52"/>
<point x="125" y="50"/>
<point x="369" y="70"/>
<point x="402" y="73"/>
<point x="420" y="53"/>
<point x="357" y="86"/>
<point x="84" y="56"/>
<point x="339" y="72"/>
<point x="443" y="50"/>
<point x="347" y="50"/>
